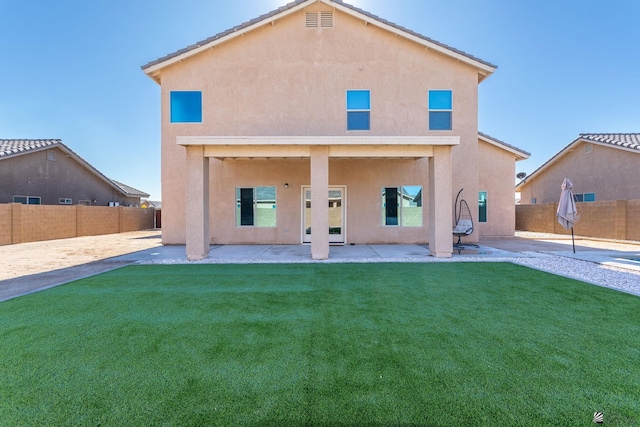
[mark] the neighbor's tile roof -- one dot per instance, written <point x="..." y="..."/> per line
<point x="625" y="140"/>
<point x="130" y="191"/>
<point x="16" y="147"/>
<point x="10" y="147"/>
<point x="293" y="4"/>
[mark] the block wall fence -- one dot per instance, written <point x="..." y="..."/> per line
<point x="33" y="223"/>
<point x="614" y="219"/>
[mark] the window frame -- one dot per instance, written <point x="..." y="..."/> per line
<point x="357" y="111"/>
<point x="27" y="199"/>
<point x="400" y="215"/>
<point x="437" y="110"/>
<point x="179" y="116"/>
<point x="254" y="217"/>
<point x="485" y="207"/>
<point x="581" y="197"/>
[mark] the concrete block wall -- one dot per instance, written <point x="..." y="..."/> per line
<point x="538" y="218"/>
<point x="612" y="219"/>
<point x="633" y="220"/>
<point x="32" y="223"/>
<point x="5" y="225"/>
<point x="97" y="220"/>
<point x="134" y="219"/>
<point x="46" y="222"/>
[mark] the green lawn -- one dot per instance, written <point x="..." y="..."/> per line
<point x="442" y="344"/>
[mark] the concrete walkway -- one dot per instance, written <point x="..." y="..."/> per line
<point x="38" y="266"/>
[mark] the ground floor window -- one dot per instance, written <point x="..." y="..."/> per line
<point x="402" y="206"/>
<point x="27" y="200"/>
<point x="585" y="197"/>
<point x="256" y="207"/>
<point x="482" y="206"/>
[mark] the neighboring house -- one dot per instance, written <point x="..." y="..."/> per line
<point x="157" y="207"/>
<point x="321" y="101"/>
<point x="47" y="172"/>
<point x="601" y="166"/>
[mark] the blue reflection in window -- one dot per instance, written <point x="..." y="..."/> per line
<point x="186" y="107"/>
<point x="358" y="100"/>
<point x="440" y="100"/>
<point x="439" y="120"/>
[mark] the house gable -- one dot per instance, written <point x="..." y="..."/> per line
<point x="154" y="68"/>
<point x="606" y="165"/>
<point x="53" y="151"/>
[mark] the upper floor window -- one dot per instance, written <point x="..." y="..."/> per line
<point x="186" y="107"/>
<point x="440" y="109"/>
<point x="358" y="110"/>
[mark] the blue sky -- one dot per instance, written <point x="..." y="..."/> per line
<point x="70" y="69"/>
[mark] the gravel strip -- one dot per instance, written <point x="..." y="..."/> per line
<point x="616" y="278"/>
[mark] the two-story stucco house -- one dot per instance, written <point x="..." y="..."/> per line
<point x="320" y="123"/>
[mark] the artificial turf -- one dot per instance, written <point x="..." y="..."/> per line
<point x="441" y="344"/>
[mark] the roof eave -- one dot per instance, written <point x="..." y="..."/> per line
<point x="153" y="68"/>
<point x="520" y="154"/>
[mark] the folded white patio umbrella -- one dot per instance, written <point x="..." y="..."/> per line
<point x="567" y="213"/>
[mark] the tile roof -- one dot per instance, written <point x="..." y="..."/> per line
<point x="128" y="190"/>
<point x="9" y="147"/>
<point x="17" y="147"/>
<point x="623" y="140"/>
<point x="292" y="5"/>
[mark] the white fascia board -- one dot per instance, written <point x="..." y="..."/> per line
<point x="519" y="155"/>
<point x="151" y="71"/>
<point x="604" y="144"/>
<point x="316" y="140"/>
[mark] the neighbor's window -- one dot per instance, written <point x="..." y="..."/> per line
<point x="358" y="110"/>
<point x="585" y="197"/>
<point x="440" y="110"/>
<point x="186" y="107"/>
<point x="402" y="206"/>
<point x="256" y="207"/>
<point x="482" y="206"/>
<point x="65" y="201"/>
<point x="27" y="200"/>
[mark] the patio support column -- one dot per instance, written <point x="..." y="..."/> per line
<point x="440" y="202"/>
<point x="197" y="199"/>
<point x="320" y="202"/>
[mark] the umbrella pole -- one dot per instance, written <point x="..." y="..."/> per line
<point x="573" y="242"/>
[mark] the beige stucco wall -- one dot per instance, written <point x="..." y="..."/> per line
<point x="285" y="79"/>
<point x="364" y="181"/>
<point x="610" y="173"/>
<point x="497" y="178"/>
